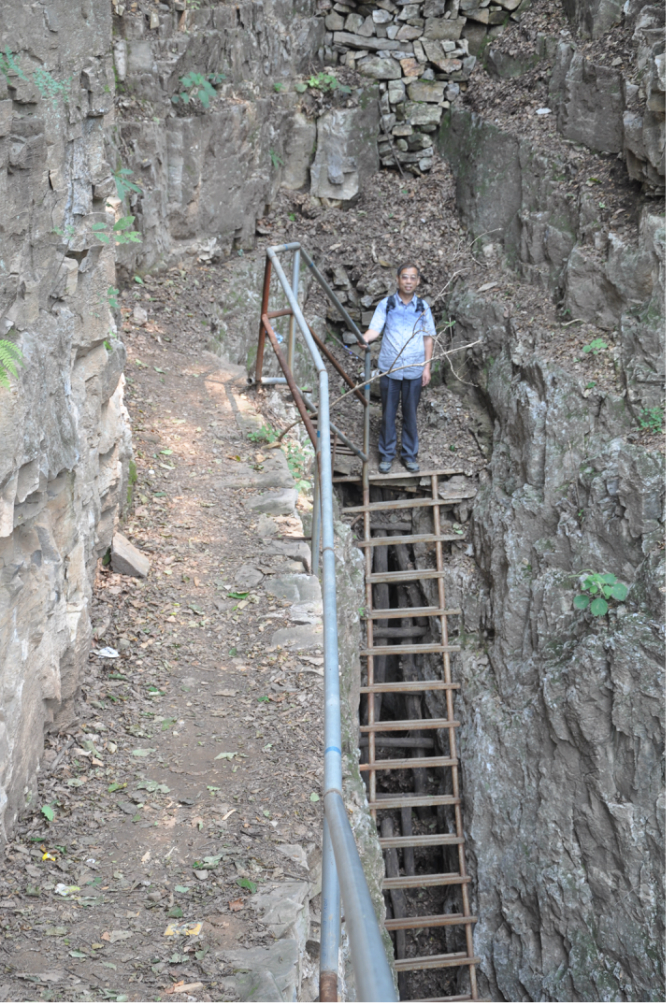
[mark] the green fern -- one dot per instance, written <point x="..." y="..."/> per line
<point x="11" y="357"/>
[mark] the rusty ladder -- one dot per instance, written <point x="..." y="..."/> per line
<point x="375" y="728"/>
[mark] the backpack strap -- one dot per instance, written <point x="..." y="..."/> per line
<point x="390" y="303"/>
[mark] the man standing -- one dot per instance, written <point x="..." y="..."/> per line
<point x="408" y="332"/>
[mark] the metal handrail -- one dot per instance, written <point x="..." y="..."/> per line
<point x="342" y="868"/>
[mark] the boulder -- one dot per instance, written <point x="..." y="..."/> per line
<point x="381" y="68"/>
<point x="437" y="28"/>
<point x="275" y="502"/>
<point x="431" y="91"/>
<point x="346" y="148"/>
<point x="126" y="559"/>
<point x="299" y="151"/>
<point x="589" y="101"/>
<point x="418" y="113"/>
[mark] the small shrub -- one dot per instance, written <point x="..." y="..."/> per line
<point x="263" y="434"/>
<point x="123" y="184"/>
<point x="596" y="346"/>
<point x="651" y="419"/>
<point x="196" y="86"/>
<point x="324" y="82"/>
<point x="598" y="589"/>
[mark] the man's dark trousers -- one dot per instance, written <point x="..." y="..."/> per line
<point x="392" y="391"/>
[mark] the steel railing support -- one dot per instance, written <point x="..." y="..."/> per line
<point x="291" y="336"/>
<point x="342" y="869"/>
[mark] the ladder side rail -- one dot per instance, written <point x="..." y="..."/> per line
<point x="446" y="659"/>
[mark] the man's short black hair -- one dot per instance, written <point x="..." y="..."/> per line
<point x="405" y="265"/>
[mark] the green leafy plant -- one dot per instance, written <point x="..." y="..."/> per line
<point x="48" y="86"/>
<point x="11" y="357"/>
<point x="8" y="65"/>
<point x="275" y="159"/>
<point x="596" y="346"/>
<point x="263" y="434"/>
<point x="324" y="82"/>
<point x="651" y="419"/>
<point x="112" y="297"/>
<point x="48" y="812"/>
<point x="597" y="590"/>
<point x="196" y="86"/>
<point x="277" y="87"/>
<point x="120" y="232"/>
<point x="246" y="883"/>
<point x="123" y="184"/>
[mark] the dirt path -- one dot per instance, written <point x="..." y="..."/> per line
<point x="187" y="790"/>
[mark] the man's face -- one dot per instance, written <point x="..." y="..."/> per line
<point x="408" y="280"/>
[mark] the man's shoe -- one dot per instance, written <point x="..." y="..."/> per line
<point x="412" y="466"/>
<point x="385" y="466"/>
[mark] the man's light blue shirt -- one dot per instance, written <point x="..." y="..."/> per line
<point x="402" y="340"/>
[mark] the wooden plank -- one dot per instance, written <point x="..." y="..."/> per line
<point x="394" y="506"/>
<point x="404" y="475"/>
<point x="439" y="839"/>
<point x="394" y="613"/>
<point x="424" y="881"/>
<point x="402" y="632"/>
<point x="400" y="577"/>
<point x="408" y="764"/>
<point x="454" y="999"/>
<point x="397" y="743"/>
<point x="413" y="724"/>
<point x="408" y="649"/>
<point x="389" y="541"/>
<point x="411" y="801"/>
<point x="410" y="687"/>
<point x="436" y="961"/>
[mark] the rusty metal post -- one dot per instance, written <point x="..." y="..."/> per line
<point x="259" y="367"/>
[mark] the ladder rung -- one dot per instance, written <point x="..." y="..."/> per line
<point x="389" y="541"/>
<point x="395" y="505"/>
<point x="408" y="764"/>
<point x="414" y="574"/>
<point x="407" y="613"/>
<point x="439" y="839"/>
<point x="436" y="961"/>
<point x="412" y="801"/>
<point x="405" y="475"/>
<point x="414" y="724"/>
<point x="408" y="649"/>
<point x="454" y="999"/>
<point x="410" y="687"/>
<point x="424" y="881"/>
<point x="399" y="503"/>
<point x="397" y="743"/>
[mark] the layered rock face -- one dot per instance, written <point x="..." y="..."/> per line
<point x="206" y="122"/>
<point x="561" y="746"/>
<point x="66" y="443"/>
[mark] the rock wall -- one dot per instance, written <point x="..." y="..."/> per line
<point x="563" y="723"/>
<point x="423" y="54"/>
<point x="208" y="153"/>
<point x="66" y="443"/>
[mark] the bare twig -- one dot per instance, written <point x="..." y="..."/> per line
<point x="412" y="365"/>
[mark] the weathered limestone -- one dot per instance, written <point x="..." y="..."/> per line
<point x="346" y="153"/>
<point x="208" y="173"/>
<point x="66" y="443"/>
<point x="126" y="559"/>
<point x="565" y="832"/>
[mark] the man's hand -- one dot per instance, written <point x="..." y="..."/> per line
<point x="371" y="335"/>
<point x="425" y="378"/>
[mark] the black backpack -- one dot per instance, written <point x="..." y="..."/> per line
<point x="391" y="303"/>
